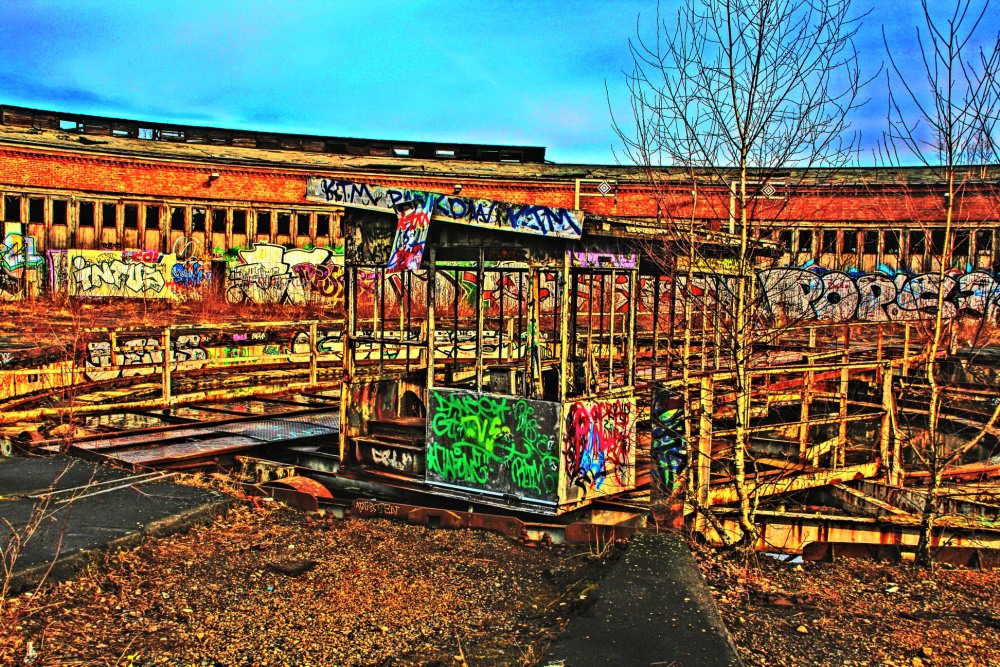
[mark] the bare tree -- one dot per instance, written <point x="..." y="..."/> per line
<point x="723" y="98"/>
<point x="944" y="118"/>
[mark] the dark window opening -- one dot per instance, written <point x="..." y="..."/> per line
<point x="890" y="241"/>
<point x="785" y="240"/>
<point x="12" y="208"/>
<point x="177" y="219"/>
<point x="961" y="243"/>
<point x="264" y="222"/>
<point x="918" y="242"/>
<point x="937" y="241"/>
<point x="86" y="218"/>
<point x="198" y="219"/>
<point x="830" y="240"/>
<point x="850" y="242"/>
<point x="984" y="240"/>
<point x="805" y="241"/>
<point x="284" y="224"/>
<point x="871" y="242"/>
<point x="130" y="216"/>
<point x="59" y="208"/>
<point x="239" y="222"/>
<point x="322" y="225"/>
<point x="152" y="217"/>
<point x="303" y="224"/>
<point x="36" y="210"/>
<point x="108" y="216"/>
<point x="219" y="221"/>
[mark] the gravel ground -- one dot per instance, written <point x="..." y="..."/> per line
<point x="273" y="586"/>
<point x="856" y="612"/>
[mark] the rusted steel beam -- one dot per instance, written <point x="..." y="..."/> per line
<point x="791" y="533"/>
<point x="725" y="494"/>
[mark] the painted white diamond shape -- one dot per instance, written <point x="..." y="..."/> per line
<point x="768" y="190"/>
<point x="604" y="188"/>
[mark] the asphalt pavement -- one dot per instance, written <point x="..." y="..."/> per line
<point x="653" y="609"/>
<point x="56" y="510"/>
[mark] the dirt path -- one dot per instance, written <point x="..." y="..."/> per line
<point x="272" y="586"/>
<point x="856" y="612"/>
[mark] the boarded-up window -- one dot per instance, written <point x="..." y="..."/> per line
<point x="871" y="242"/>
<point x="59" y="208"/>
<point x="830" y="240"/>
<point x="152" y="217"/>
<point x="850" y="242"/>
<point x="264" y="222"/>
<point x="890" y="242"/>
<point x="984" y="240"/>
<point x="108" y="216"/>
<point x="130" y="216"/>
<point x="962" y="243"/>
<point x="12" y="208"/>
<point x="219" y="220"/>
<point x="198" y="219"/>
<point x="805" y="241"/>
<point x="86" y="217"/>
<point x="36" y="209"/>
<point x="937" y="241"/>
<point x="177" y="219"/>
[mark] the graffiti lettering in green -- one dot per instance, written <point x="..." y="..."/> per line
<point x="498" y="443"/>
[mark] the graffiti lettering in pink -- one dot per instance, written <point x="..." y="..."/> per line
<point x="411" y="233"/>
<point x="598" y="446"/>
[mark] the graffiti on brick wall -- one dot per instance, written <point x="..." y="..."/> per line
<point x="599" y="445"/>
<point x="411" y="233"/>
<point x="496" y="443"/>
<point x="524" y="218"/>
<point x="128" y="274"/>
<point x="19" y="264"/>
<point x="670" y="454"/>
<point x="603" y="255"/>
<point x="816" y="294"/>
<point x="267" y="273"/>
<point x="138" y="356"/>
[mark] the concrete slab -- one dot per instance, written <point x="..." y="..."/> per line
<point x="52" y="536"/>
<point x="654" y="608"/>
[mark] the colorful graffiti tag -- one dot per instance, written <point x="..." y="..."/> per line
<point x="267" y="273"/>
<point x="411" y="233"/>
<point x="131" y="274"/>
<point x="598" y="447"/>
<point x="495" y="443"/>
<point x="817" y="294"/>
<point x="670" y="455"/>
<point x="524" y="218"/>
<point x="138" y="356"/>
<point x="17" y="256"/>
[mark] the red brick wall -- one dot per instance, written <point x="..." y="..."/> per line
<point x="125" y="176"/>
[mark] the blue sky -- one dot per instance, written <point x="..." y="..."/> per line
<point x="487" y="71"/>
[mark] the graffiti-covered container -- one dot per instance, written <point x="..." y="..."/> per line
<point x="598" y="448"/>
<point x="551" y="455"/>
<point x="505" y="446"/>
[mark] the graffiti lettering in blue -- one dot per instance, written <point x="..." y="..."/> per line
<point x="524" y="218"/>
